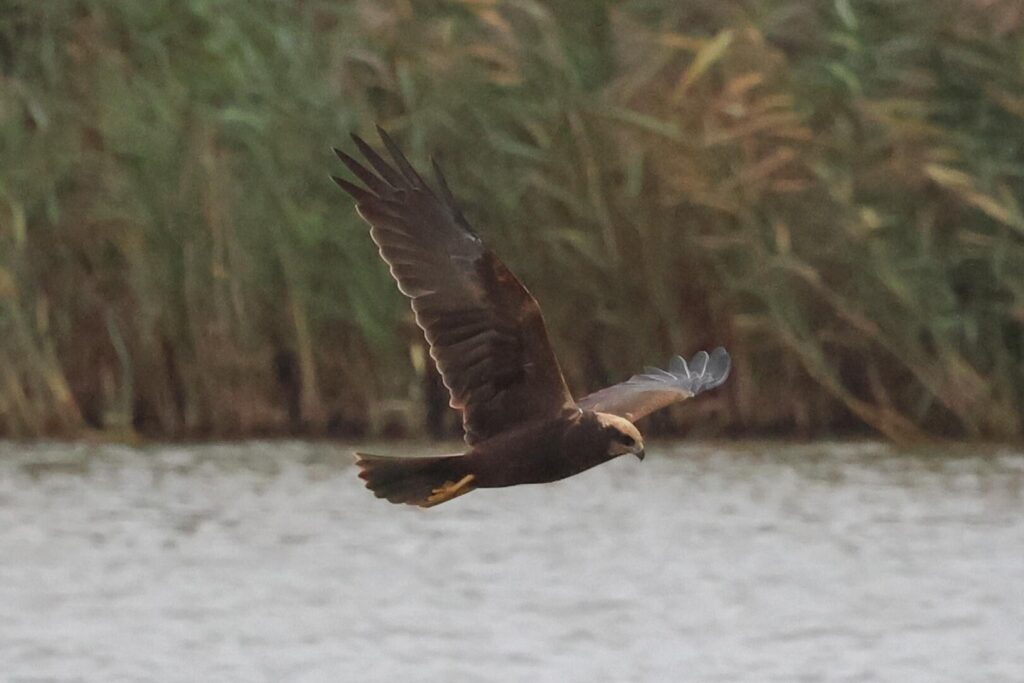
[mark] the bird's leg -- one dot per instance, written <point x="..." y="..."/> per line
<point x="450" y="490"/>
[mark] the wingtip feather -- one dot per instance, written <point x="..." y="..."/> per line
<point x="356" y="192"/>
<point x="400" y="160"/>
<point x="719" y="365"/>
<point x="390" y="175"/>
<point x="677" y="366"/>
<point x="699" y="363"/>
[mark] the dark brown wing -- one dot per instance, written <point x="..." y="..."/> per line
<point x="654" y="389"/>
<point x="485" y="330"/>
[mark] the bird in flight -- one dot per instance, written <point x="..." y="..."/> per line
<point x="487" y="337"/>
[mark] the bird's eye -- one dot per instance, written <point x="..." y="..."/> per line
<point x="627" y="440"/>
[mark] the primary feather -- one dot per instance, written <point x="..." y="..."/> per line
<point x="654" y="389"/>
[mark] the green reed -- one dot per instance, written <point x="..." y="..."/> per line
<point x="832" y="190"/>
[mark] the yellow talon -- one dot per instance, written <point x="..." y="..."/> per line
<point x="450" y="490"/>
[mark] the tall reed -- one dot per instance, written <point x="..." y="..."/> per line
<point x="832" y="190"/>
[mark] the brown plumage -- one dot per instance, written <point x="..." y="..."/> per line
<point x="488" y="338"/>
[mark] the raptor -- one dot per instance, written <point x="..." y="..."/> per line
<point x="488" y="339"/>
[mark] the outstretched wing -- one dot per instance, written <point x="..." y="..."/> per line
<point x="484" y="328"/>
<point x="654" y="389"/>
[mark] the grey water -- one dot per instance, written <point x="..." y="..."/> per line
<point x="268" y="561"/>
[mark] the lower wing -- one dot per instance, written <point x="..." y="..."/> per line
<point x="655" y="389"/>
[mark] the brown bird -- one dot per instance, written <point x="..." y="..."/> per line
<point x="487" y="336"/>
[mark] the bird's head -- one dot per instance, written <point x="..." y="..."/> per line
<point x="623" y="436"/>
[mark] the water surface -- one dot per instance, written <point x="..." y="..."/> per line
<point x="269" y="562"/>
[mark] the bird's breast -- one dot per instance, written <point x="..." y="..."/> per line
<point x="536" y="454"/>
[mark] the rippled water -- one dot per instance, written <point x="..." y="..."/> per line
<point x="269" y="562"/>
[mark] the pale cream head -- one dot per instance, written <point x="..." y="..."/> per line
<point x="626" y="438"/>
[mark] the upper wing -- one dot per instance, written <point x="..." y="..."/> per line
<point x="484" y="328"/>
<point x="655" y="388"/>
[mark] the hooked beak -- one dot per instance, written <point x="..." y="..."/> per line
<point x="639" y="454"/>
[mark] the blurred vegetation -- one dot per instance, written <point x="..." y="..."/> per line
<point x="832" y="190"/>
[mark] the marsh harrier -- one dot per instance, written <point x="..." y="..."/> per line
<point x="487" y="336"/>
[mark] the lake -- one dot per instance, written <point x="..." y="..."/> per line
<point x="268" y="561"/>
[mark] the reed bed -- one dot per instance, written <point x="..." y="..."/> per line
<point x="832" y="190"/>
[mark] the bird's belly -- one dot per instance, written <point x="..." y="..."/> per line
<point x="494" y="470"/>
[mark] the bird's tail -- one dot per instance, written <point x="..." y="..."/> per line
<point x="416" y="481"/>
